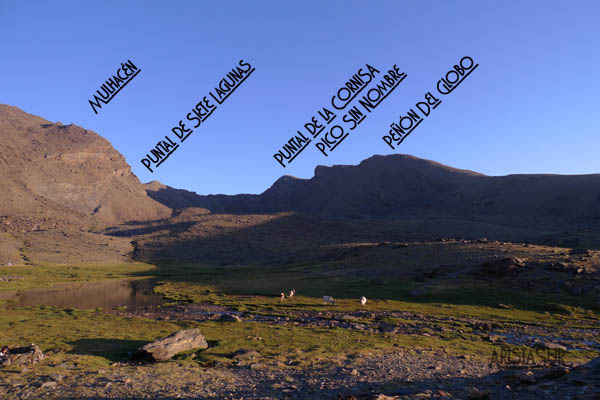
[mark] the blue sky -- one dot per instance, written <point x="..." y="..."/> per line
<point x="530" y="107"/>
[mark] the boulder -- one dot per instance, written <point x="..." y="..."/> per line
<point x="526" y="377"/>
<point x="579" y="251"/>
<point x="558" y="266"/>
<point x="502" y="267"/>
<point x="244" y="355"/>
<point x="576" y="291"/>
<point x="49" y="385"/>
<point x="549" y="345"/>
<point x="556" y="372"/>
<point x="230" y="318"/>
<point x="474" y="393"/>
<point x="24" y="355"/>
<point x="165" y="348"/>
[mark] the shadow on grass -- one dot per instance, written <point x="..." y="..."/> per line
<point x="111" y="349"/>
<point x="342" y="258"/>
<point x="260" y="290"/>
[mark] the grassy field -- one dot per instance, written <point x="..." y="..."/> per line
<point x="101" y="339"/>
<point x="91" y="339"/>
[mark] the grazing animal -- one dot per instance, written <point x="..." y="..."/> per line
<point x="282" y="296"/>
<point x="292" y="293"/>
<point x="363" y="300"/>
<point x="328" y="300"/>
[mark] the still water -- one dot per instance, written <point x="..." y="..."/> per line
<point x="107" y="295"/>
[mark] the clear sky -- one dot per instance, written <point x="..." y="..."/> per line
<point x="532" y="105"/>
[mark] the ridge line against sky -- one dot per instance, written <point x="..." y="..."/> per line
<point x="530" y="107"/>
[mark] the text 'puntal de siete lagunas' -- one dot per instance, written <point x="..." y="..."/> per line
<point x="197" y="115"/>
<point x="353" y="115"/>
<point x="113" y="85"/>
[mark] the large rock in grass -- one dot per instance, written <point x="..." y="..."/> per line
<point x="166" y="348"/>
<point x="25" y="355"/>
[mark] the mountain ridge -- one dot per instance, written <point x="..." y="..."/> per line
<point x="402" y="184"/>
<point x="85" y="181"/>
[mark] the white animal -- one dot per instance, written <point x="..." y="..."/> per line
<point x="282" y="296"/>
<point x="363" y="300"/>
<point x="328" y="300"/>
<point x="292" y="293"/>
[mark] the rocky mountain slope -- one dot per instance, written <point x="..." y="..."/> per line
<point x="403" y="185"/>
<point x="54" y="175"/>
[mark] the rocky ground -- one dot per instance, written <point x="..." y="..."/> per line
<point x="566" y="338"/>
<point x="403" y="374"/>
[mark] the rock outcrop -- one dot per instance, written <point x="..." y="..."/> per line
<point x="24" y="355"/>
<point x="165" y="348"/>
<point x="54" y="175"/>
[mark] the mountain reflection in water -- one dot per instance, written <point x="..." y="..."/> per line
<point x="105" y="294"/>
